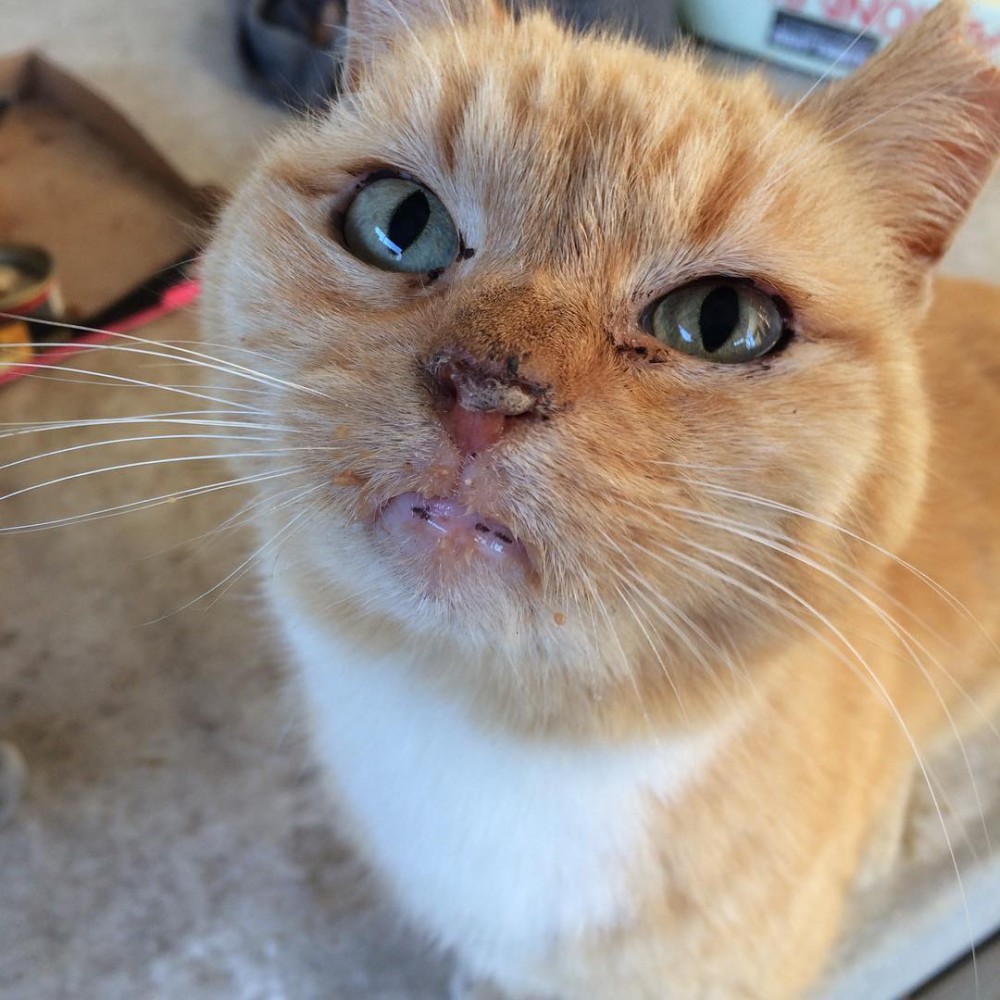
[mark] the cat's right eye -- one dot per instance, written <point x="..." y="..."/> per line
<point x="398" y="224"/>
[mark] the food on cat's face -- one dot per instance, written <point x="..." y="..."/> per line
<point x="480" y="401"/>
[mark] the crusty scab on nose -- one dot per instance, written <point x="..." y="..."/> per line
<point x="456" y="378"/>
<point x="480" y="401"/>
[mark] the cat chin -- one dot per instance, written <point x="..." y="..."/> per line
<point x="401" y="573"/>
<point x="478" y="640"/>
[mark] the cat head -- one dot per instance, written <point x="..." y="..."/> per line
<point x="582" y="348"/>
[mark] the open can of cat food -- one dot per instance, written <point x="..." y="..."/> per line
<point x="28" y="291"/>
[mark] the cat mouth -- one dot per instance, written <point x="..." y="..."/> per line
<point x="447" y="540"/>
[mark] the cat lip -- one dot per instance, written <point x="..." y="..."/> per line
<point x="447" y="539"/>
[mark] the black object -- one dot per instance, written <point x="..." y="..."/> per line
<point x="651" y="21"/>
<point x="148" y="299"/>
<point x="292" y="48"/>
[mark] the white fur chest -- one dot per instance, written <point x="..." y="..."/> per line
<point x="494" y="844"/>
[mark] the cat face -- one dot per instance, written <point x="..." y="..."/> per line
<point x="585" y="348"/>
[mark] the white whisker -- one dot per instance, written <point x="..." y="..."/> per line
<point x="134" y="505"/>
<point x="871" y="680"/>
<point x="239" y="519"/>
<point x="147" y="462"/>
<point x="195" y="418"/>
<point x="126" y="380"/>
<point x="907" y="639"/>
<point x="272" y="541"/>
<point x="153" y="348"/>
<point x="126" y="440"/>
<point x="944" y="594"/>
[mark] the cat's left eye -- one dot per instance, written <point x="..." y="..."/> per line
<point x="400" y="225"/>
<point x="718" y="319"/>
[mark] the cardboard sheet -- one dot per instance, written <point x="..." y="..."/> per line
<point x="80" y="181"/>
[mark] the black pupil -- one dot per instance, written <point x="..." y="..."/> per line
<point x="409" y="219"/>
<point x="720" y="312"/>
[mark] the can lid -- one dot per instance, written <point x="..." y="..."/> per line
<point x="23" y="270"/>
<point x="12" y="279"/>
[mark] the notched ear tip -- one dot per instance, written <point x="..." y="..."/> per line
<point x="948" y="14"/>
<point x="985" y="94"/>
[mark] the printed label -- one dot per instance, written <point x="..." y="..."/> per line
<point x="884" y="19"/>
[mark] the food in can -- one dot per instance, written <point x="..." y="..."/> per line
<point x="15" y="343"/>
<point x="29" y="291"/>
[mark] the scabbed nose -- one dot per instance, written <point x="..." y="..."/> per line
<point x="477" y="400"/>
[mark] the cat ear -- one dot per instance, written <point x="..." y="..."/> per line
<point x="922" y="122"/>
<point x="372" y="25"/>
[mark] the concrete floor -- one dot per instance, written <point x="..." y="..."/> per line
<point x="173" y="840"/>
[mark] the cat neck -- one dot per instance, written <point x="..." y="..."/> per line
<point x="506" y="839"/>
<point x="436" y="676"/>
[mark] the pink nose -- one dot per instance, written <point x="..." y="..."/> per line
<point x="477" y="400"/>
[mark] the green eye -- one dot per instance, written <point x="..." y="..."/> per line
<point x="399" y="225"/>
<point x="719" y="320"/>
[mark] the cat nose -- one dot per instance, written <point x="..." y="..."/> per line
<point x="477" y="400"/>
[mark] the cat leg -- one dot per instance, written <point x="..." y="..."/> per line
<point x="12" y="771"/>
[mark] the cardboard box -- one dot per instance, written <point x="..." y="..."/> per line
<point x="80" y="181"/>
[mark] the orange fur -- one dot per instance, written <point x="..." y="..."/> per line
<point x="673" y="582"/>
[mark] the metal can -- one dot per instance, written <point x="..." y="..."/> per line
<point x="28" y="290"/>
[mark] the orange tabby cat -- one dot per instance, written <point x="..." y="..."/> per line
<point x="627" y="447"/>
